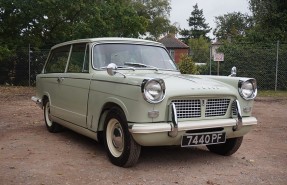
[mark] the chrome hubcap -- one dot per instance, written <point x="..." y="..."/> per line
<point x="115" y="137"/>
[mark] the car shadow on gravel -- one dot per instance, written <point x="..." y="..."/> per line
<point x="79" y="141"/>
<point x="175" y="155"/>
<point x="161" y="155"/>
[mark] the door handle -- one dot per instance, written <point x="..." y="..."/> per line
<point x="60" y="79"/>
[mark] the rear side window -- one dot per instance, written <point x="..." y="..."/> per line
<point x="58" y="60"/>
<point x="79" y="59"/>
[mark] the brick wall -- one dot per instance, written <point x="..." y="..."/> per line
<point x="178" y="53"/>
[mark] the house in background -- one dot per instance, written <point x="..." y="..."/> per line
<point x="175" y="47"/>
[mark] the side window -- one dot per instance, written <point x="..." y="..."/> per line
<point x="79" y="59"/>
<point x="58" y="60"/>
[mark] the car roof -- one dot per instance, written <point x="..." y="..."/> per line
<point x="110" y="40"/>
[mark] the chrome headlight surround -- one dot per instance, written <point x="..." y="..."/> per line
<point x="247" y="88"/>
<point x="153" y="90"/>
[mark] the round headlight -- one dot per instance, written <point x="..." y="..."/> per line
<point x="153" y="90"/>
<point x="247" y="89"/>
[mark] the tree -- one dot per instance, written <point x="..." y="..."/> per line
<point x="270" y="18"/>
<point x="24" y="22"/>
<point x="232" y="26"/>
<point x="197" y="25"/>
<point x="157" y="14"/>
<point x="34" y="22"/>
<point x="199" y="49"/>
<point x="120" y="19"/>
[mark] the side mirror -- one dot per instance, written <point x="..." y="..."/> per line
<point x="233" y="71"/>
<point x="112" y="69"/>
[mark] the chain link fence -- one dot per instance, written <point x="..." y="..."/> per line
<point x="267" y="64"/>
<point x="22" y="68"/>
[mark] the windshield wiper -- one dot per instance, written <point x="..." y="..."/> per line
<point x="139" y="65"/>
<point x="120" y="67"/>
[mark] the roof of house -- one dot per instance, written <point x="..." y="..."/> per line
<point x="171" y="42"/>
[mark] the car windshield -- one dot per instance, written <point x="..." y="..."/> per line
<point x="132" y="55"/>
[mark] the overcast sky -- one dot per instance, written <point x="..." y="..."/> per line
<point x="181" y="9"/>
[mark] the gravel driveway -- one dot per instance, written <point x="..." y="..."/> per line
<point x="29" y="154"/>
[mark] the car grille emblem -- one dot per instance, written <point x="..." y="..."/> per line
<point x="203" y="102"/>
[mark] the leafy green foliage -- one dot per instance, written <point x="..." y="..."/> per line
<point x="44" y="23"/>
<point x="157" y="14"/>
<point x="232" y="26"/>
<point x="199" y="49"/>
<point x="35" y="22"/>
<point x="186" y="65"/>
<point x="270" y="18"/>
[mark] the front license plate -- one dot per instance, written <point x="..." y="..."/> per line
<point x="203" y="139"/>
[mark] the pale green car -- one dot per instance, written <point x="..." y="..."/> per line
<point x="128" y="93"/>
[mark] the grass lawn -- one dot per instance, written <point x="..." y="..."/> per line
<point x="269" y="93"/>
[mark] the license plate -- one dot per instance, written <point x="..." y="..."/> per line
<point x="203" y="139"/>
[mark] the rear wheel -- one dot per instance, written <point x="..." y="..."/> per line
<point x="121" y="148"/>
<point x="51" y="126"/>
<point x="228" y="148"/>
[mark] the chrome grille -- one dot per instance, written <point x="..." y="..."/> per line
<point x="193" y="108"/>
<point x="187" y="108"/>
<point x="216" y="107"/>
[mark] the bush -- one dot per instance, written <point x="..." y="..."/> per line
<point x="186" y="65"/>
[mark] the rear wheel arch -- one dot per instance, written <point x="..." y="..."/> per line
<point x="45" y="99"/>
<point x="50" y="124"/>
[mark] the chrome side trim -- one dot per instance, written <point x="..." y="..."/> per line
<point x="38" y="101"/>
<point x="174" y="124"/>
<point x="238" y="125"/>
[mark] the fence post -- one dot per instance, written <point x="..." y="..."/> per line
<point x="210" y="56"/>
<point x="276" y="70"/>
<point x="29" y="66"/>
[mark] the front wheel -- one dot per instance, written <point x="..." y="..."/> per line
<point x="122" y="150"/>
<point x="51" y="126"/>
<point x="228" y="148"/>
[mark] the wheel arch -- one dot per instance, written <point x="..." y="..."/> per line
<point x="105" y="109"/>
<point x="45" y="98"/>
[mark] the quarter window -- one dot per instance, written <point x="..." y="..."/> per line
<point x="58" y="60"/>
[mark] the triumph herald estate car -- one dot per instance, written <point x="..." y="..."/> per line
<point x="128" y="93"/>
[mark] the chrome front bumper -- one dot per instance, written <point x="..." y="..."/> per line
<point x="147" y="128"/>
<point x="158" y="134"/>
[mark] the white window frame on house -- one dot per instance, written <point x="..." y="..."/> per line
<point x="172" y="53"/>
